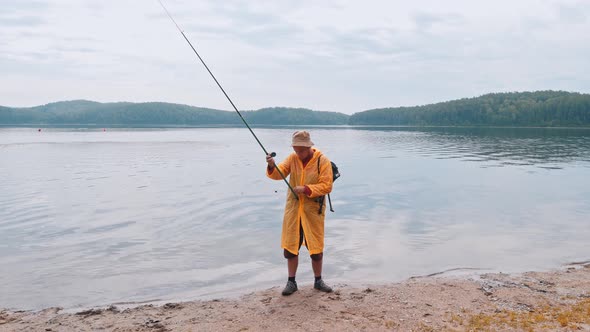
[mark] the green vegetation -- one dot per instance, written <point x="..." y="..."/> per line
<point x="158" y="114"/>
<point x="294" y="116"/>
<point x="93" y="113"/>
<point x="541" y="108"/>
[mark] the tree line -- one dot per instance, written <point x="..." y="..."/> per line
<point x="540" y="108"/>
<point x="156" y="113"/>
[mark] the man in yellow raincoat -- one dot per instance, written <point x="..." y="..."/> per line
<point x="311" y="178"/>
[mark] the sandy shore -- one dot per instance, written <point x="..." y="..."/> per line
<point x="532" y="301"/>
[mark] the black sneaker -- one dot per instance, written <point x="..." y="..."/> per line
<point x="321" y="286"/>
<point x="290" y="288"/>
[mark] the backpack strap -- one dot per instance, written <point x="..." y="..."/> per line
<point x="323" y="198"/>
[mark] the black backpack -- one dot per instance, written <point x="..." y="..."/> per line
<point x="335" y="175"/>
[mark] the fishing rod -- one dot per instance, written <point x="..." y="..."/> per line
<point x="228" y="98"/>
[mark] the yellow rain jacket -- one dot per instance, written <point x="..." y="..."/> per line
<point x="306" y="208"/>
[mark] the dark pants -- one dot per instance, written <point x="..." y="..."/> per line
<point x="314" y="257"/>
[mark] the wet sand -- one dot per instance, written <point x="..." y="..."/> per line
<point x="532" y="301"/>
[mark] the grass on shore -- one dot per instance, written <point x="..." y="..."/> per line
<point x="542" y="318"/>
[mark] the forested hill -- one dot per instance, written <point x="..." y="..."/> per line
<point x="158" y="114"/>
<point x="541" y="108"/>
<point x="283" y="115"/>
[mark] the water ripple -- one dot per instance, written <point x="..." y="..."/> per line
<point x="557" y="146"/>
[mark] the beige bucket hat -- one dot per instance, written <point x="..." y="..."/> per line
<point x="302" y="138"/>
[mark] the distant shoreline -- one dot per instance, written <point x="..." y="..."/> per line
<point x="159" y="126"/>
<point x="536" y="109"/>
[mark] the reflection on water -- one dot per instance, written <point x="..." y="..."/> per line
<point x="549" y="148"/>
<point x="92" y="218"/>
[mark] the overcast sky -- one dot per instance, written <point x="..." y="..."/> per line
<point x="344" y="56"/>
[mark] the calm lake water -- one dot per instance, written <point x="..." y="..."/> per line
<point x="91" y="217"/>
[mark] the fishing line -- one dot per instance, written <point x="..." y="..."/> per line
<point x="226" y="96"/>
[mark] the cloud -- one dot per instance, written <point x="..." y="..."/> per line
<point x="334" y="55"/>
<point x="573" y="14"/>
<point x="240" y="22"/>
<point x="373" y="41"/>
<point x="265" y="35"/>
<point x="427" y="21"/>
<point x="9" y="6"/>
<point x="24" y="21"/>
